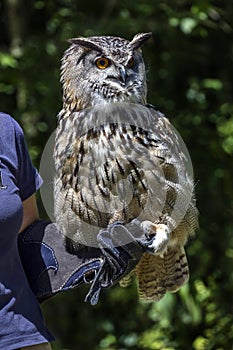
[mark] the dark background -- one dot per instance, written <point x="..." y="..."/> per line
<point x="190" y="73"/>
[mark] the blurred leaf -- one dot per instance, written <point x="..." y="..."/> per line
<point x="106" y="342"/>
<point x="188" y="24"/>
<point x="6" y="60"/>
<point x="212" y="84"/>
<point x="225" y="129"/>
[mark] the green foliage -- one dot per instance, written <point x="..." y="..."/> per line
<point x="190" y="80"/>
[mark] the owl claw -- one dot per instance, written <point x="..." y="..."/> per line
<point x="157" y="236"/>
<point x="160" y="236"/>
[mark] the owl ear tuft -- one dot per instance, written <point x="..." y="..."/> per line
<point x="139" y="39"/>
<point x="85" y="42"/>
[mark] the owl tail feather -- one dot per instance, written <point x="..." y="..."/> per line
<point x="176" y="265"/>
<point x="158" y="275"/>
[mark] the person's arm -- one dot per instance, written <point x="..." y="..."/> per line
<point x="30" y="212"/>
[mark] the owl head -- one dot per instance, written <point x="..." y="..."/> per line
<point x="103" y="69"/>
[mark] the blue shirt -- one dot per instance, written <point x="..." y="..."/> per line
<point x="21" y="320"/>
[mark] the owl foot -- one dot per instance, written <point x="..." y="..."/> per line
<point x="157" y="235"/>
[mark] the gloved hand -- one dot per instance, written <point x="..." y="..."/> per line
<point x="50" y="268"/>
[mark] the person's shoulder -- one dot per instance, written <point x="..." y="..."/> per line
<point x="5" y="119"/>
<point x="9" y="124"/>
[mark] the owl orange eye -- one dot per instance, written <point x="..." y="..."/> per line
<point x="102" y="62"/>
<point x="131" y="63"/>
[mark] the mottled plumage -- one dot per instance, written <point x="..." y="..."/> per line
<point x="118" y="159"/>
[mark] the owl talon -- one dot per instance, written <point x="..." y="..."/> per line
<point x="158" y="235"/>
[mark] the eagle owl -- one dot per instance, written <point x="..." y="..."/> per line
<point x="117" y="159"/>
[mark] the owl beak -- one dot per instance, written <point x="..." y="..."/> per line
<point x="123" y="74"/>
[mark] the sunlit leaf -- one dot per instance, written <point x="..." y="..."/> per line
<point x="188" y="24"/>
<point x="7" y="60"/>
